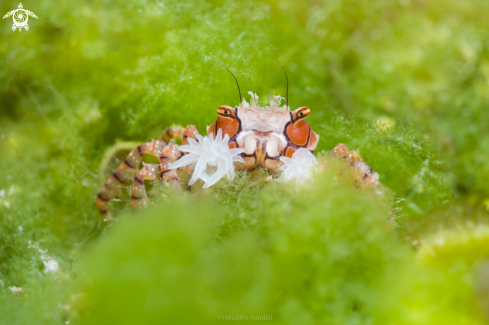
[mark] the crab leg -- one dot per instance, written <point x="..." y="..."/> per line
<point x="166" y="152"/>
<point x="125" y="173"/>
<point x="173" y="132"/>
<point x="138" y="191"/>
<point x="169" y="154"/>
<point x="364" y="171"/>
<point x="178" y="132"/>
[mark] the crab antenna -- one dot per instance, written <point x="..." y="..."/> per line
<point x="239" y="90"/>
<point x="287" y="78"/>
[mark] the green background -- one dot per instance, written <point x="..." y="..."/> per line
<point x="406" y="83"/>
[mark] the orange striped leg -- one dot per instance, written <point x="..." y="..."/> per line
<point x="177" y="132"/>
<point x="189" y="132"/>
<point x="170" y="154"/>
<point x="138" y="191"/>
<point x="125" y="173"/>
<point x="340" y="151"/>
<point x="173" y="132"/>
<point x="363" y="171"/>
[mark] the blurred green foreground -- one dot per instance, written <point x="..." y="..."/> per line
<point x="406" y="83"/>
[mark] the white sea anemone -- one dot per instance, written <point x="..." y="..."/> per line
<point x="299" y="167"/>
<point x="210" y="155"/>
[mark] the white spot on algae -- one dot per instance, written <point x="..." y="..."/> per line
<point x="16" y="290"/>
<point x="385" y="123"/>
<point x="50" y="265"/>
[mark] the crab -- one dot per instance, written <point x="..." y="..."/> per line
<point x="243" y="137"/>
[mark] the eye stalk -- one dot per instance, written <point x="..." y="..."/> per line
<point x="229" y="122"/>
<point x="300" y="114"/>
<point x="226" y="111"/>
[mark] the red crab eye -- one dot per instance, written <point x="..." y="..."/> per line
<point x="298" y="133"/>
<point x="225" y="111"/>
<point x="226" y="121"/>
<point x="300" y="114"/>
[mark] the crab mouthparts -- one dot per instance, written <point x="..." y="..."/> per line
<point x="263" y="127"/>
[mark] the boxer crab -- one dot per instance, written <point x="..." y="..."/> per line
<point x="242" y="137"/>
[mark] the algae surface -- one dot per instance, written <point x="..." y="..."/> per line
<point x="403" y="82"/>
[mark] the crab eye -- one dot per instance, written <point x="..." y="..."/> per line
<point x="225" y="111"/>
<point x="300" y="113"/>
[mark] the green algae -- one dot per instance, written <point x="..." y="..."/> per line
<point x="404" y="83"/>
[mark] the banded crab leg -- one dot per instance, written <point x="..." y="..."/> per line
<point x="138" y="191"/>
<point x="166" y="152"/>
<point x="155" y="172"/>
<point x="169" y="154"/>
<point x="364" y="171"/>
<point x="125" y="173"/>
<point x="179" y="133"/>
<point x="175" y="132"/>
